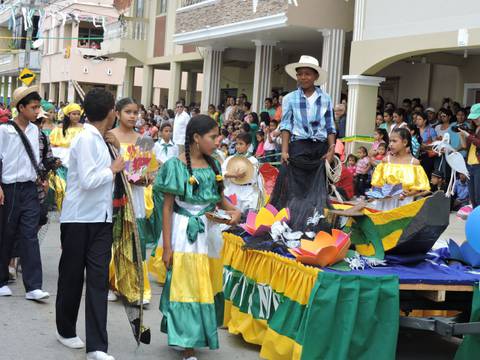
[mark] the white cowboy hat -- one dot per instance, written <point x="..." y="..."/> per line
<point x="242" y="164"/>
<point x="310" y="62"/>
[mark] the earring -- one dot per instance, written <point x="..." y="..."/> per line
<point x="198" y="147"/>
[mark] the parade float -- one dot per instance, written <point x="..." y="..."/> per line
<point x="343" y="293"/>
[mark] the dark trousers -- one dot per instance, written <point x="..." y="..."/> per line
<point x="84" y="246"/>
<point x="361" y="184"/>
<point x="474" y="185"/>
<point x="21" y="214"/>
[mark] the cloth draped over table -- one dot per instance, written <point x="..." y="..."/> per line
<point x="299" y="312"/>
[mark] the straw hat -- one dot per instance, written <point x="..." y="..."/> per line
<point x="21" y="93"/>
<point x="240" y="164"/>
<point x="310" y="62"/>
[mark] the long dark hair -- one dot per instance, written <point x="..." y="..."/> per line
<point x="66" y="124"/>
<point x="201" y="125"/>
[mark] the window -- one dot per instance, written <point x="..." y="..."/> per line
<point x="139" y="8"/>
<point x="161" y="7"/>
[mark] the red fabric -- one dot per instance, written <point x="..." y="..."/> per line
<point x="269" y="174"/>
<point x="346" y="182"/>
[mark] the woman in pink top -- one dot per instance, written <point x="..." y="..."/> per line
<point x="361" y="176"/>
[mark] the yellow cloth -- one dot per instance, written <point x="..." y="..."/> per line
<point x="71" y="108"/>
<point x="412" y="177"/>
<point x="130" y="294"/>
<point x="57" y="139"/>
<point x="472" y="158"/>
<point x="285" y="276"/>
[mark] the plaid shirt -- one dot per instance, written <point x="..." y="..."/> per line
<point x="304" y="123"/>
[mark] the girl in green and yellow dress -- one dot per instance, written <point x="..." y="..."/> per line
<point x="185" y="189"/>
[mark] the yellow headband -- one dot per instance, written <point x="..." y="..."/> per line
<point x="71" y="108"/>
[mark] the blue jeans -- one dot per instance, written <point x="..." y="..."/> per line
<point x="474" y="185"/>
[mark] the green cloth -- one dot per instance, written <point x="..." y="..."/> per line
<point x="172" y="178"/>
<point x="202" y="319"/>
<point x="195" y="223"/>
<point x="351" y="317"/>
<point x="47" y="106"/>
<point x="253" y="134"/>
<point x="470" y="347"/>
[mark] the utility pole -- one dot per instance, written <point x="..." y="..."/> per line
<point x="28" y="42"/>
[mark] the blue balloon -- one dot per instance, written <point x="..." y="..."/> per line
<point x="472" y="229"/>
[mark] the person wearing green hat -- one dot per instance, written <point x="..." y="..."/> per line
<point x="48" y="122"/>
<point x="471" y="140"/>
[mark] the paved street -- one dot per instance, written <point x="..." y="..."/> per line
<point x="27" y="328"/>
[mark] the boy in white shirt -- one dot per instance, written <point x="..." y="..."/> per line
<point x="164" y="148"/>
<point x="86" y="229"/>
<point x="248" y="195"/>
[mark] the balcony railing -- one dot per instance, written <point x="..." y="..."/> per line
<point x="129" y="29"/>
<point x="191" y="4"/>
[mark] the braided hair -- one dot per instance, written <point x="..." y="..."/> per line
<point x="201" y="125"/>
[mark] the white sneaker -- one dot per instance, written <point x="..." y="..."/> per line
<point x="5" y="291"/>
<point x="72" y="343"/>
<point x="191" y="358"/>
<point x="37" y="294"/>
<point x="99" y="355"/>
<point x="112" y="296"/>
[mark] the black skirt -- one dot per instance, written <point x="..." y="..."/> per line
<point x="301" y="186"/>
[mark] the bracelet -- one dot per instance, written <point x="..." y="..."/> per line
<point x="331" y="146"/>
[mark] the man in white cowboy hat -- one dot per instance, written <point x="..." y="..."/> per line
<point x="308" y="139"/>
<point x="18" y="193"/>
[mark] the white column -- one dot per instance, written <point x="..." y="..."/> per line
<point x="212" y="70"/>
<point x="362" y="105"/>
<point x="262" y="78"/>
<point x="191" y="87"/>
<point x="51" y="92"/>
<point x="147" y="85"/>
<point x="175" y="84"/>
<point x="70" y="92"/>
<point x="332" y="61"/>
<point x="128" y="81"/>
<point x="62" y="90"/>
<point x="359" y="20"/>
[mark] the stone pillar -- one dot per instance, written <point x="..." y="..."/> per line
<point x="191" y="87"/>
<point x="52" y="92"/>
<point x="332" y="61"/>
<point x="361" y="105"/>
<point x="262" y="78"/>
<point x="128" y="81"/>
<point x="70" y="92"/>
<point x="175" y="84"/>
<point x="62" y="87"/>
<point x="212" y="70"/>
<point x="147" y="85"/>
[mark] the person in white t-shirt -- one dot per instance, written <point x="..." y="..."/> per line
<point x="179" y="126"/>
<point x="86" y="229"/>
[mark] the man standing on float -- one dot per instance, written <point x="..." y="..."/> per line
<point x="308" y="139"/>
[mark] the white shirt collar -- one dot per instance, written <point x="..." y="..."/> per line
<point x="92" y="129"/>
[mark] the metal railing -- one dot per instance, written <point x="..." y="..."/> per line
<point x="184" y="3"/>
<point x="129" y="29"/>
